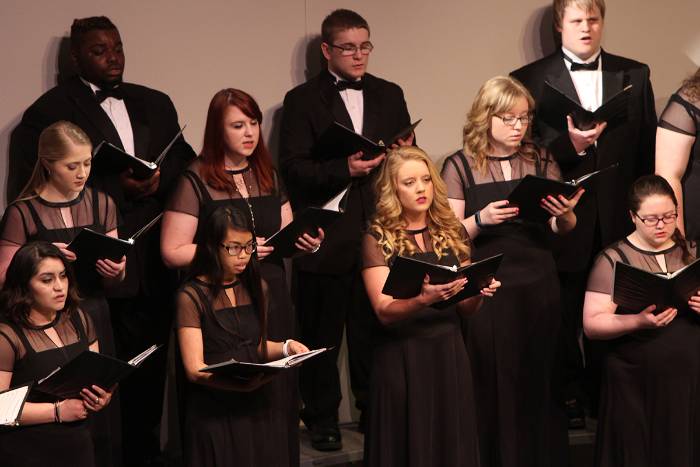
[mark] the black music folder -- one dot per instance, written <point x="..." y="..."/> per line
<point x="636" y="289"/>
<point x="558" y="105"/>
<point x="531" y="189"/>
<point x="112" y="160"/>
<point x="246" y="369"/>
<point x="308" y="220"/>
<point x="407" y="274"/>
<point x="89" y="246"/>
<point x="11" y="404"/>
<point x="339" y="141"/>
<point x="86" y="369"/>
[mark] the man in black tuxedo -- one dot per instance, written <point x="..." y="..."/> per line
<point x="590" y="76"/>
<point x="328" y="285"/>
<point x="140" y="121"/>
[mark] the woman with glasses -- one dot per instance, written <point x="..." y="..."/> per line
<point x="235" y="169"/>
<point x="222" y="315"/>
<point x="512" y="340"/>
<point x="650" y="397"/>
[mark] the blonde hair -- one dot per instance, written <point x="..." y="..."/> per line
<point x="55" y="141"/>
<point x="586" y="5"/>
<point x="496" y="96"/>
<point x="388" y="224"/>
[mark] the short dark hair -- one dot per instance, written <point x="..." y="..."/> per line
<point x="15" y="297"/>
<point x="340" y="20"/>
<point x="82" y="26"/>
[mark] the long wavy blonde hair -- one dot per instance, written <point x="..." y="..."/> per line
<point x="55" y="141"/>
<point x="389" y="225"/>
<point x="496" y="96"/>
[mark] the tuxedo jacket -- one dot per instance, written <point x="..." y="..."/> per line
<point x="154" y="123"/>
<point x="312" y="178"/>
<point x="602" y="211"/>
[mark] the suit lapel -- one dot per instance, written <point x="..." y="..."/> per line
<point x="86" y="103"/>
<point x="371" y="102"/>
<point x="613" y="79"/>
<point x="560" y="77"/>
<point x="332" y="101"/>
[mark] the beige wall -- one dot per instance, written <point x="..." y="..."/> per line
<point x="439" y="52"/>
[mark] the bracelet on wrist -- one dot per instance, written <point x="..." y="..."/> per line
<point x="477" y="218"/>
<point x="285" y="348"/>
<point x="56" y="412"/>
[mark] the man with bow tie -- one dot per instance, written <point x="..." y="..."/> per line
<point x="590" y="76"/>
<point x="329" y="287"/>
<point x="141" y="121"/>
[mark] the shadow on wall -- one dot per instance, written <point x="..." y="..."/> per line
<point x="306" y="62"/>
<point x="539" y="36"/>
<point x="57" y="67"/>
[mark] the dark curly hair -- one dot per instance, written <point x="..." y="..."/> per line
<point x="16" y="298"/>
<point x="82" y="26"/>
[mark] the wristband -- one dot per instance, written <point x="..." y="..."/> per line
<point x="56" y="413"/>
<point x="285" y="348"/>
<point x="477" y="218"/>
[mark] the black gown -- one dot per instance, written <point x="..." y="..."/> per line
<point x="195" y="197"/>
<point x="30" y="355"/>
<point x="228" y="428"/>
<point x="421" y="410"/>
<point x="35" y="219"/>
<point x="683" y="116"/>
<point x="512" y="339"/>
<point x="650" y="397"/>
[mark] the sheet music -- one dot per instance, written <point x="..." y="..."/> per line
<point x="334" y="203"/>
<point x="11" y="403"/>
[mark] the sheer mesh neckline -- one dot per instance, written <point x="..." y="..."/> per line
<point x="649" y="252"/>
<point x="61" y="204"/>
<point x="230" y="285"/>
<point x="417" y="231"/>
<point x="237" y="171"/>
<point x="503" y="158"/>
<point x="43" y="327"/>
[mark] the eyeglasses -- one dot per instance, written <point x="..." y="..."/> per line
<point x="510" y="121"/>
<point x="235" y="249"/>
<point x="653" y="221"/>
<point x="347" y="50"/>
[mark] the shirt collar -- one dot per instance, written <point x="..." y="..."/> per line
<point x="572" y="56"/>
<point x="337" y="77"/>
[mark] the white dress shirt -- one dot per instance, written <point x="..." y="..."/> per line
<point x="354" y="103"/>
<point x="588" y="84"/>
<point x="116" y="111"/>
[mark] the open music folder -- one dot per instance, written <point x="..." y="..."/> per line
<point x="339" y="141"/>
<point x="11" y="404"/>
<point x="246" y="369"/>
<point x="556" y="105"/>
<point x="89" y="246"/>
<point x="531" y="189"/>
<point x="407" y="274"/>
<point x="113" y="160"/>
<point x="86" y="369"/>
<point x="636" y="289"/>
<point x="306" y="221"/>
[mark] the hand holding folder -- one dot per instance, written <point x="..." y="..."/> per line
<point x="339" y="141"/>
<point x="556" y="105"/>
<point x="246" y="369"/>
<point x="11" y="404"/>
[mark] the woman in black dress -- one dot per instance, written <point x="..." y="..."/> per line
<point x="222" y="314"/>
<point x="678" y="153"/>
<point x="421" y="409"/>
<point x="42" y="328"/>
<point x="512" y="340"/>
<point x="54" y="206"/>
<point x="235" y="169"/>
<point x="650" y="398"/>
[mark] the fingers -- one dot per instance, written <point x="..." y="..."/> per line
<point x="666" y="316"/>
<point x="264" y="251"/>
<point x="308" y="243"/>
<point x="553" y="206"/>
<point x="694" y="302"/>
<point x="573" y="201"/>
<point x="297" y="347"/>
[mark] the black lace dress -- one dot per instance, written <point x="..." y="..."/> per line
<point x="683" y="116"/>
<point x="512" y="339"/>
<point x="31" y="355"/>
<point x="421" y="411"/>
<point x="38" y="219"/>
<point x="227" y="428"/>
<point x="195" y="197"/>
<point x="650" y="397"/>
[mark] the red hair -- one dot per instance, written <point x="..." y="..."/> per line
<point x="213" y="149"/>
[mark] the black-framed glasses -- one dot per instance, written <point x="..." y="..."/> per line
<point x="653" y="221"/>
<point x="511" y="121"/>
<point x="235" y="249"/>
<point x="348" y="50"/>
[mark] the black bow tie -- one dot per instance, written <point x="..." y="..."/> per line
<point x="102" y="94"/>
<point x="342" y="85"/>
<point x="593" y="66"/>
